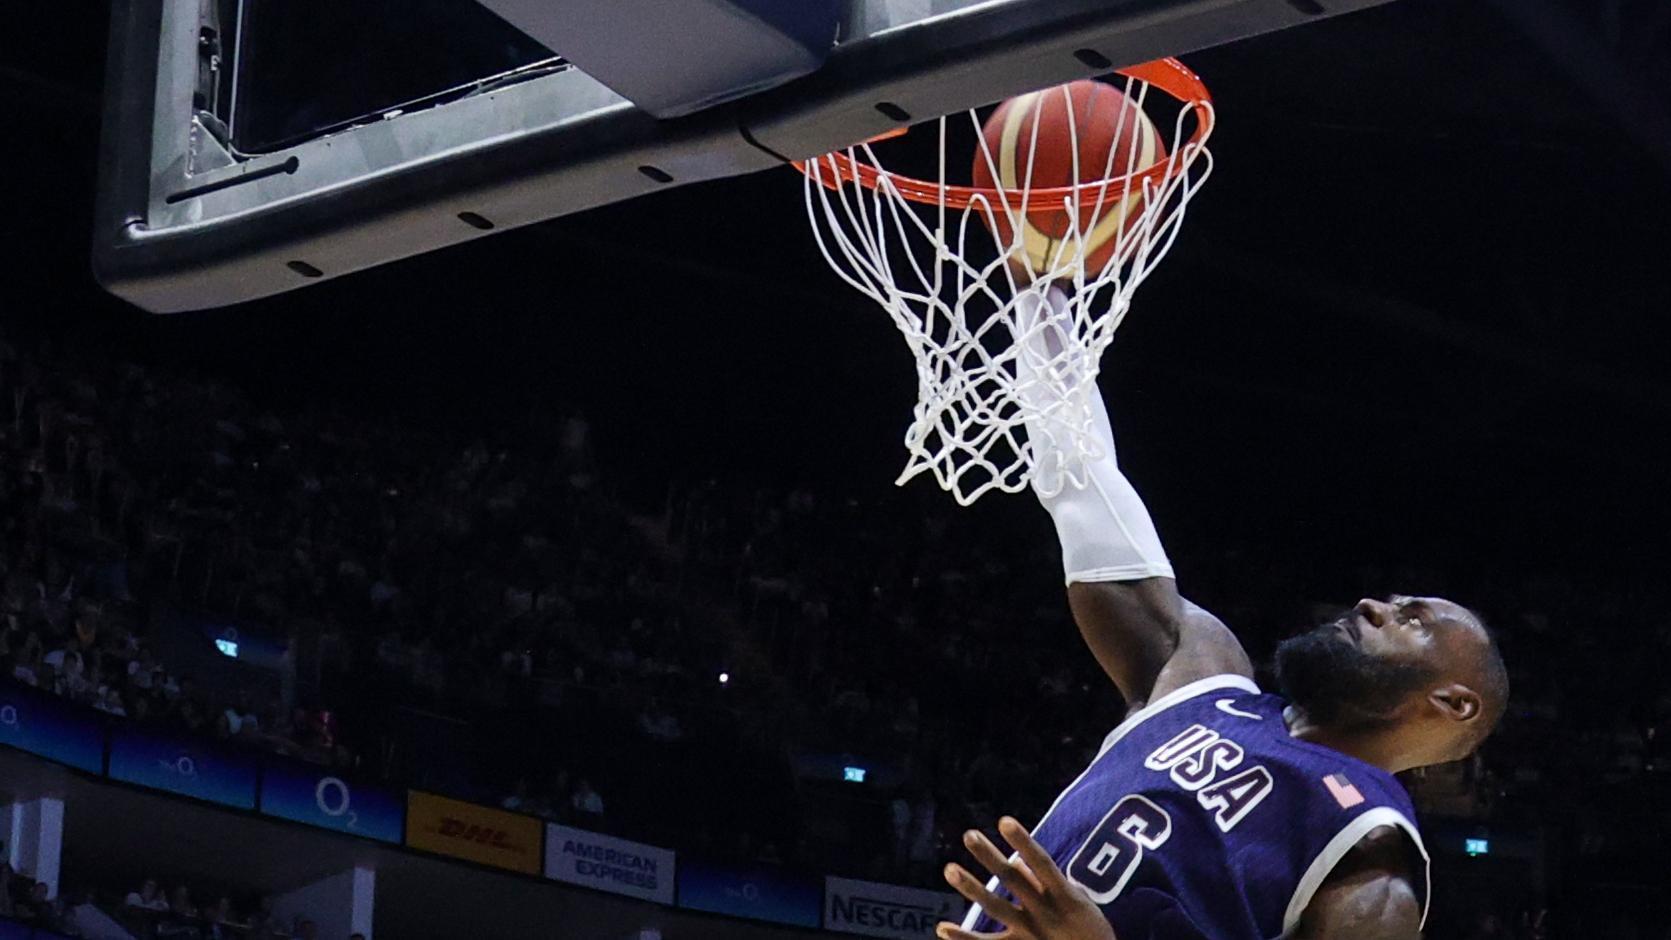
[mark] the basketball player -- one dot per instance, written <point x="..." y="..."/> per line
<point x="1216" y="811"/>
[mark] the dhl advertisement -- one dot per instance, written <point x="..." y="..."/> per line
<point x="474" y="833"/>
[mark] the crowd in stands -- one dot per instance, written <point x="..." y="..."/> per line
<point x="594" y="655"/>
<point x="79" y="517"/>
<point x="148" y="912"/>
<point x="27" y="901"/>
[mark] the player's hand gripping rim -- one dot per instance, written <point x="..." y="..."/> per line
<point x="1047" y="905"/>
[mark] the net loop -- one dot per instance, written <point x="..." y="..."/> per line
<point x="995" y="347"/>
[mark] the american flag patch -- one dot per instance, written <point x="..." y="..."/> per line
<point x="1342" y="790"/>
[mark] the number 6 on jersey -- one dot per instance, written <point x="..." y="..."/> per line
<point x="1106" y="861"/>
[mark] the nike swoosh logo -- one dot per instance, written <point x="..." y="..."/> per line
<point x="1229" y="709"/>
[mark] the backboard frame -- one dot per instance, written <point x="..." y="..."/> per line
<point x="181" y="224"/>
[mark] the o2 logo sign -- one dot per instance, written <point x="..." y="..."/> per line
<point x="183" y="766"/>
<point x="9" y="717"/>
<point x="333" y="798"/>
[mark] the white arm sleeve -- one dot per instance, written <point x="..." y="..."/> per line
<point x="1104" y="528"/>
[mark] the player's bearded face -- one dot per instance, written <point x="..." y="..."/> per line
<point x="1337" y="682"/>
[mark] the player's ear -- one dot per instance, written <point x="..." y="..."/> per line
<point x="1456" y="702"/>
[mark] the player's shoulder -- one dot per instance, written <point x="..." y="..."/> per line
<point x="1375" y="858"/>
<point x="1206" y="649"/>
<point x="1373" y="892"/>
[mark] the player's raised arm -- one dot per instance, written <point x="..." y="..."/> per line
<point x="1120" y="584"/>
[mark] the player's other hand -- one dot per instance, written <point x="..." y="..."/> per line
<point x="1047" y="905"/>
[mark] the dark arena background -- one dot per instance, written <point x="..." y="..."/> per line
<point x="555" y="585"/>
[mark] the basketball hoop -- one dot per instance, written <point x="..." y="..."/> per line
<point x="1005" y="327"/>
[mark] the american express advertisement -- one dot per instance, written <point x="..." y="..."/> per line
<point x="608" y="864"/>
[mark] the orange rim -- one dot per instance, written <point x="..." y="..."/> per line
<point x="1169" y="75"/>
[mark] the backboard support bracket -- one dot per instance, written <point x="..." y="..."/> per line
<point x="179" y="227"/>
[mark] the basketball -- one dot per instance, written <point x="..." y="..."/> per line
<point x="1105" y="123"/>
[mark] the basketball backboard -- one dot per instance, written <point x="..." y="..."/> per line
<point x="257" y="146"/>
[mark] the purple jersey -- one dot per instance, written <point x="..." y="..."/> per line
<point x="1202" y="818"/>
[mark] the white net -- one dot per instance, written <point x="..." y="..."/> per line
<point x="954" y="267"/>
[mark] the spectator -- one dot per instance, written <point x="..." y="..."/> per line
<point x="221" y="920"/>
<point x="188" y="718"/>
<point x="43" y="912"/>
<point x="180" y="904"/>
<point x="238" y="720"/>
<point x="587" y="803"/>
<point x="899" y="820"/>
<point x="659" y="724"/>
<point x="149" y="897"/>
<point x="142" y="671"/>
<point x="521" y="801"/>
<point x="265" y="923"/>
<point x="924" y="847"/>
<point x="29" y="668"/>
<point x="81" y="916"/>
<point x="73" y="679"/>
<point x="111" y="702"/>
